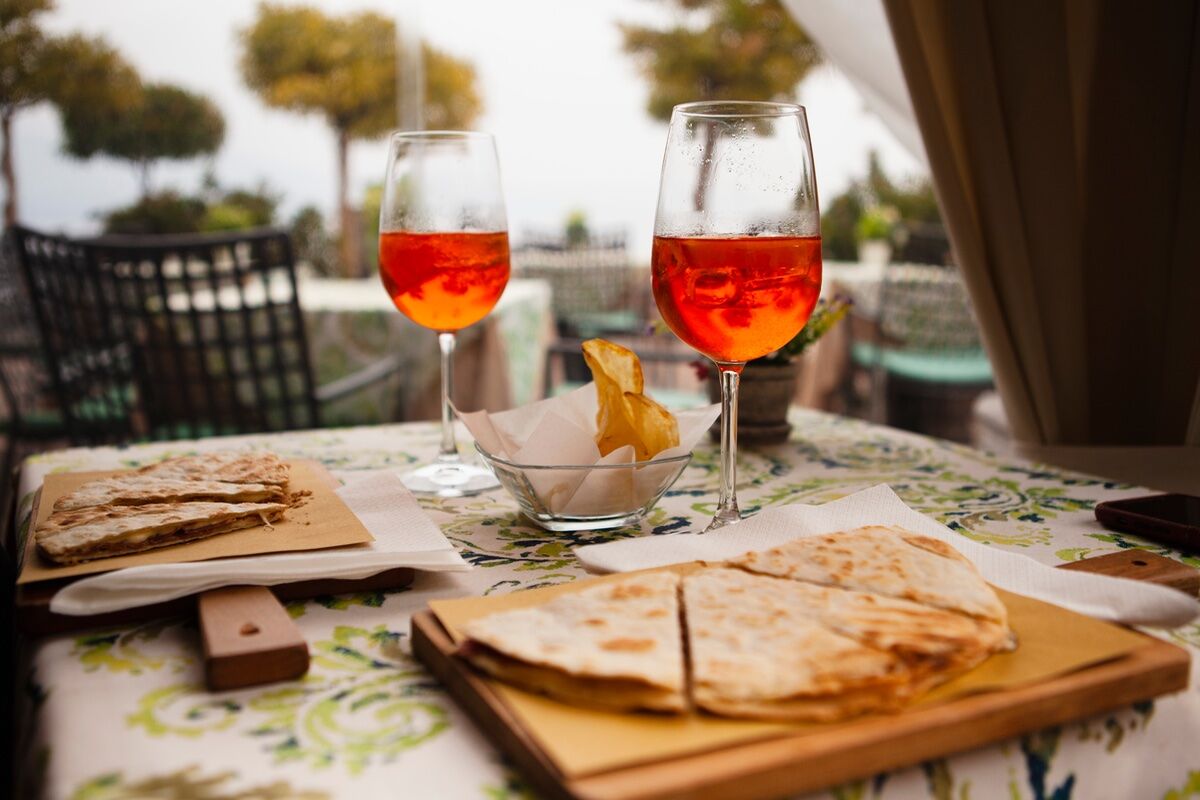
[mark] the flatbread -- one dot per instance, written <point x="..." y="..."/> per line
<point x="820" y="629"/>
<point x="756" y="653"/>
<point x="142" y="489"/>
<point x="259" y="466"/>
<point x="924" y="645"/>
<point x="72" y="536"/>
<point x="887" y="561"/>
<point x="617" y="645"/>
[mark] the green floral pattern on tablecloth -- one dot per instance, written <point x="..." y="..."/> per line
<point x="368" y="721"/>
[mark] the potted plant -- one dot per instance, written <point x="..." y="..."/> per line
<point x="768" y="383"/>
<point x="874" y="234"/>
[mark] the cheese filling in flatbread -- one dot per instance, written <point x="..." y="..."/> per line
<point x="753" y="649"/>
<point x="229" y="467"/>
<point x="143" y="489"/>
<point x="75" y="535"/>
<point x="886" y="561"/>
<point x="615" y="645"/>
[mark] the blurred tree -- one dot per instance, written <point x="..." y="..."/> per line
<point x="238" y="209"/>
<point x="919" y="235"/>
<point x="344" y="68"/>
<point x="312" y="242"/>
<point x="80" y="75"/>
<point x="838" y="223"/>
<point x="577" y="229"/>
<point x="163" y="122"/>
<point x="214" y="209"/>
<point x="164" y="212"/>
<point x="913" y="198"/>
<point x="721" y="50"/>
<point x="369" y="218"/>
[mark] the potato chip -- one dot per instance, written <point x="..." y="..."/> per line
<point x="655" y="425"/>
<point x="618" y="364"/>
<point x="625" y="416"/>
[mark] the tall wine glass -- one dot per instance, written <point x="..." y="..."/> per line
<point x="443" y="258"/>
<point x="737" y="244"/>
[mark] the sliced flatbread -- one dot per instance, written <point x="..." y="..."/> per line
<point x="930" y="644"/>
<point x="69" y="537"/>
<point x="884" y="560"/>
<point x="757" y="653"/>
<point x="141" y="489"/>
<point x="942" y="639"/>
<point x="230" y="467"/>
<point x="617" y="645"/>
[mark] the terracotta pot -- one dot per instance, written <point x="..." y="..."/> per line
<point x="764" y="394"/>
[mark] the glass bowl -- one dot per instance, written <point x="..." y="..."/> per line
<point x="574" y="497"/>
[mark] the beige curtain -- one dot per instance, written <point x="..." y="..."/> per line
<point x="1064" y="141"/>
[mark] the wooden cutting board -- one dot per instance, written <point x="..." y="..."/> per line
<point x="246" y="634"/>
<point x="33" y="599"/>
<point x="796" y="763"/>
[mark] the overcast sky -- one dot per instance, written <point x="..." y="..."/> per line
<point x="566" y="106"/>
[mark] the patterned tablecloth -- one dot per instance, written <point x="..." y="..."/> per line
<point x="122" y="712"/>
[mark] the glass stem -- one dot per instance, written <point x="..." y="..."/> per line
<point x="727" y="506"/>
<point x="449" y="450"/>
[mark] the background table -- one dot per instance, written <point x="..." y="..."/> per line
<point x="112" y="712"/>
<point x="352" y="324"/>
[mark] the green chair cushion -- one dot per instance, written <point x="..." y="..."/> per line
<point x="967" y="367"/>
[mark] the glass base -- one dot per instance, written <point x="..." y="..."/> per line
<point x="724" y="519"/>
<point x="449" y="480"/>
<point x="597" y="523"/>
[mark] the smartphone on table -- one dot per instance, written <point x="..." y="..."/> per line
<point x="1170" y="519"/>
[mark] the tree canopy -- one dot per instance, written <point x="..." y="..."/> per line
<point x="24" y="52"/>
<point x="721" y="50"/>
<point x="157" y="121"/>
<point x="84" y="77"/>
<point x="345" y="69"/>
<point x="911" y="202"/>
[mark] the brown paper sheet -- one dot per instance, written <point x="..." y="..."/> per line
<point x="324" y="521"/>
<point x="581" y="741"/>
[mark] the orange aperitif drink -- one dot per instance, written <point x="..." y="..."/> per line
<point x="736" y="298"/>
<point x="444" y="281"/>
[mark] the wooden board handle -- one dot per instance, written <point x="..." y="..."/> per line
<point x="1142" y="566"/>
<point x="249" y="639"/>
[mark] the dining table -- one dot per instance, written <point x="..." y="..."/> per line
<point x="123" y="711"/>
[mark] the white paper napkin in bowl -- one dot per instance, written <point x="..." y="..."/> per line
<point x="1101" y="596"/>
<point x="561" y="431"/>
<point x="404" y="537"/>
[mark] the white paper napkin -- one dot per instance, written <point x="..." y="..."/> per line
<point x="1113" y="599"/>
<point x="404" y="537"/>
<point x="562" y="430"/>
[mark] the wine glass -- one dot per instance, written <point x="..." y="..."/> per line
<point x="443" y="258"/>
<point x="736" y="262"/>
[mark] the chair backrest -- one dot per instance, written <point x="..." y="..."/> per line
<point x="583" y="280"/>
<point x="170" y="337"/>
<point x="927" y="308"/>
<point x="24" y="382"/>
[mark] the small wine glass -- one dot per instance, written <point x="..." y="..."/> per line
<point x="443" y="258"/>
<point x="736" y="263"/>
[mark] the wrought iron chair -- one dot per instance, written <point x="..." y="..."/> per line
<point x="175" y="337"/>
